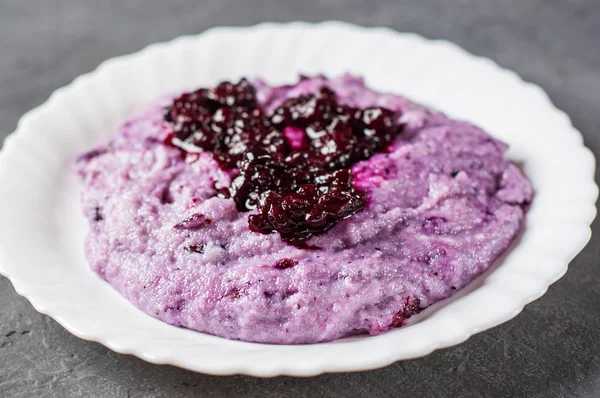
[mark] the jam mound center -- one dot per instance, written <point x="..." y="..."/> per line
<point x="292" y="166"/>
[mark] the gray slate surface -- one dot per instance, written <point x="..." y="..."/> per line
<point x="551" y="349"/>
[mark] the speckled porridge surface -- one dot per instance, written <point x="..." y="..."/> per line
<point x="440" y="204"/>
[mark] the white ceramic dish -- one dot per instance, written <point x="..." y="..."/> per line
<point x="42" y="229"/>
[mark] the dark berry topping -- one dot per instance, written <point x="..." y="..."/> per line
<point x="285" y="263"/>
<point x="292" y="167"/>
<point x="309" y="210"/>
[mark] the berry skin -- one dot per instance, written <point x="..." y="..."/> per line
<point x="195" y="221"/>
<point x="285" y="263"/>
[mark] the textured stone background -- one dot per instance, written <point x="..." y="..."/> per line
<point x="551" y="349"/>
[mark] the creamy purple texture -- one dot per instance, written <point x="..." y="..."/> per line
<point x="443" y="205"/>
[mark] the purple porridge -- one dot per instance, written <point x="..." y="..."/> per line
<point x="296" y="214"/>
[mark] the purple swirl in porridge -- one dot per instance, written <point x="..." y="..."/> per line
<point x="296" y="214"/>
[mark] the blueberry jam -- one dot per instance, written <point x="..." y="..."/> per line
<point x="293" y="166"/>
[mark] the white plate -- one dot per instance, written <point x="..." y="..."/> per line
<point x="42" y="229"/>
